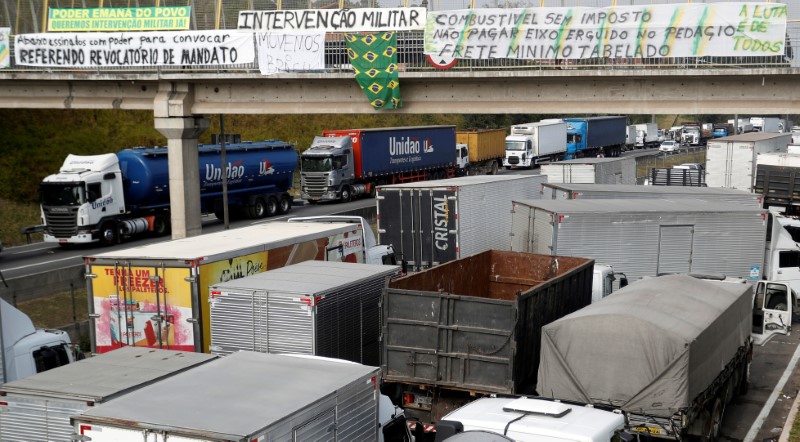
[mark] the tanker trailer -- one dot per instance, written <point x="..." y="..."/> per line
<point x="110" y="197"/>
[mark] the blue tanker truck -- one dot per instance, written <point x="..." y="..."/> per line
<point x="110" y="197"/>
<point x="595" y="136"/>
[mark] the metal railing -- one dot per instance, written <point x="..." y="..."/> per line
<point x="30" y="17"/>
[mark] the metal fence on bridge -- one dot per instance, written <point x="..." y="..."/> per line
<point x="30" y="16"/>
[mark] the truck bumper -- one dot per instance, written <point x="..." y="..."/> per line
<point x="327" y="196"/>
<point x="81" y="238"/>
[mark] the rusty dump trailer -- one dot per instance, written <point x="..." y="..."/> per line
<point x="472" y="327"/>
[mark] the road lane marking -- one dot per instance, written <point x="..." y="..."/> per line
<point x="40" y="263"/>
<point x="751" y="435"/>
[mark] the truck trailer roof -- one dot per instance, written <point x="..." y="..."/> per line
<point x="457" y="182"/>
<point x="214" y="245"/>
<point x="232" y="397"/>
<point x="103" y="377"/>
<point x="680" y="205"/>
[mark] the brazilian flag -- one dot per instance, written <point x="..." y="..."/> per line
<point x="374" y="58"/>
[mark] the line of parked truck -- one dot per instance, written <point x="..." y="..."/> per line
<point x="468" y="320"/>
<point x="107" y="198"/>
<point x="491" y="260"/>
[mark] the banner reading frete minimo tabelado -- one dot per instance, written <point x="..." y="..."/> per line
<point x="651" y="31"/>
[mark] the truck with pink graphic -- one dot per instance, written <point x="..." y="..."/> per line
<point x="157" y="295"/>
<point x="342" y="164"/>
<point x="110" y="197"/>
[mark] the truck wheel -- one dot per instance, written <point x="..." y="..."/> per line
<point x="508" y="167"/>
<point x="284" y="205"/>
<point x="108" y="233"/>
<point x="493" y="171"/>
<point x="346" y="195"/>
<point x="161" y="225"/>
<point x="272" y="206"/>
<point x="258" y="210"/>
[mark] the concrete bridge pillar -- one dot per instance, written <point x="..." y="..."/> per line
<point x="172" y="111"/>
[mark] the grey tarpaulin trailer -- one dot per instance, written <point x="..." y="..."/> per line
<point x="620" y="170"/>
<point x="662" y="350"/>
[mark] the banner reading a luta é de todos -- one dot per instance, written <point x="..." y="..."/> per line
<point x="652" y="31"/>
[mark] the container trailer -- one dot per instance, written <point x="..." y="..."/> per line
<point x="647" y="135"/>
<point x="342" y="164"/>
<point x="314" y="307"/>
<point x="668" y="352"/>
<point x="592" y="136"/>
<point x="646" y="237"/>
<point x="110" y="197"/>
<point x="430" y="223"/>
<point x="39" y="407"/>
<point x="471" y="327"/>
<point x="731" y="161"/>
<point x="592" y="170"/>
<point x="249" y="396"/>
<point x="532" y="143"/>
<point x="480" y="151"/>
<point x="777" y="180"/>
<point x="156" y="295"/>
<point x="676" y="177"/>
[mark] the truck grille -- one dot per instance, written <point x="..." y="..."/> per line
<point x="513" y="160"/>
<point x="62" y="222"/>
<point x="315" y="184"/>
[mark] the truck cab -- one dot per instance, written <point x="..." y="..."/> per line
<point x="525" y="419"/>
<point x="327" y="170"/>
<point x="27" y="350"/>
<point x="520" y="147"/>
<point x="462" y="158"/>
<point x="374" y="253"/>
<point x="603" y="280"/>
<point x="78" y="202"/>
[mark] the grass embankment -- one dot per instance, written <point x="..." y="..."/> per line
<point x="56" y="311"/>
<point x="16" y="216"/>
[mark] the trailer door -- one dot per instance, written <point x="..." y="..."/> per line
<point x="675" y="249"/>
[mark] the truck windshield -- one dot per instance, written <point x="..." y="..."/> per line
<point x="515" y="145"/>
<point x="62" y="194"/>
<point x="320" y="164"/>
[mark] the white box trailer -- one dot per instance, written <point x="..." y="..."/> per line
<point x="647" y="135"/>
<point x="156" y="295"/>
<point x="731" y="161"/>
<point x="243" y="397"/>
<point x="621" y="170"/>
<point x="39" y="407"/>
<point x="315" y="307"/>
<point x="572" y="191"/>
<point x="433" y="222"/>
<point x="529" y="144"/>
<point x="779" y="159"/>
<point x="646" y="237"/>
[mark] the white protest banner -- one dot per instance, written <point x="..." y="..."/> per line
<point x="5" y="54"/>
<point x="290" y="51"/>
<point x="334" y="20"/>
<point x="114" y="49"/>
<point x="651" y="31"/>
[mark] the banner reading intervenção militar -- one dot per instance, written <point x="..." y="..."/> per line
<point x="175" y="18"/>
<point x="652" y="31"/>
<point x="114" y="49"/>
<point x="334" y="20"/>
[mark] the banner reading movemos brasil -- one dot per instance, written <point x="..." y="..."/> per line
<point x="648" y="31"/>
<point x="374" y="59"/>
<point x="173" y="18"/>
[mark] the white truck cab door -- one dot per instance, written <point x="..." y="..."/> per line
<point x="772" y="311"/>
